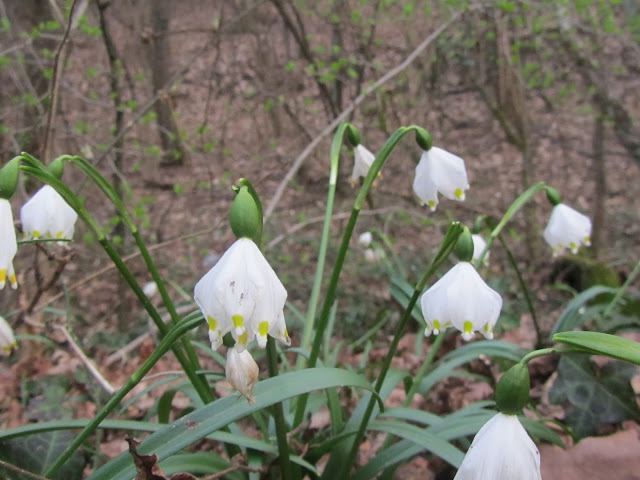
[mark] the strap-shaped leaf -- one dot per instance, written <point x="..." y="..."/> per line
<point x="216" y="415"/>
<point x="602" y="344"/>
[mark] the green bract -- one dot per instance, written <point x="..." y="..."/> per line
<point x="245" y="217"/>
<point x="512" y="391"/>
<point x="9" y="178"/>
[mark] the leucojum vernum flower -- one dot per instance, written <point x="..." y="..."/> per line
<point x="567" y="228"/>
<point x="461" y="299"/>
<point x="242" y="295"/>
<point x="7" y="340"/>
<point x="8" y="245"/>
<point x="362" y="160"/>
<point x="47" y="215"/>
<point x="501" y="450"/>
<point x="440" y="171"/>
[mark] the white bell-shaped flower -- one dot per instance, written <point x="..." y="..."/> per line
<point x="8" y="245"/>
<point x="478" y="247"/>
<point x="7" y="340"/>
<point x="48" y="215"/>
<point x="567" y="228"/>
<point x="362" y="161"/>
<point x="242" y="372"/>
<point x="440" y="171"/>
<point x="501" y="450"/>
<point x="242" y="294"/>
<point x="463" y="300"/>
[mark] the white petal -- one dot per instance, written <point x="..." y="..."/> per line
<point x="462" y="299"/>
<point x="423" y="185"/>
<point x="501" y="450"/>
<point x="8" y="243"/>
<point x="478" y="247"/>
<point x="362" y="161"/>
<point x="448" y="173"/>
<point x="48" y="215"/>
<point x="567" y="228"/>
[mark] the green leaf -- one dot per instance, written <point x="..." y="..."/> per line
<point x="224" y="411"/>
<point x="37" y="453"/>
<point x="571" y="317"/>
<point x="602" y="344"/>
<point x="593" y="396"/>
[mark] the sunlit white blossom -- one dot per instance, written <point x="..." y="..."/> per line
<point x="8" y="245"/>
<point x="567" y="228"/>
<point x="47" y="215"/>
<point x="362" y="161"/>
<point x="478" y="247"/>
<point x="242" y="372"/>
<point x="461" y="299"/>
<point x="7" y="340"/>
<point x="440" y="171"/>
<point x="501" y="450"/>
<point x="242" y="294"/>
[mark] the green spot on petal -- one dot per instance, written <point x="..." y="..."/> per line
<point x="458" y="193"/>
<point x="468" y="327"/>
<point x="436" y="325"/>
<point x="263" y="328"/>
<point x="212" y="323"/>
<point x="238" y="321"/>
<point x="242" y="339"/>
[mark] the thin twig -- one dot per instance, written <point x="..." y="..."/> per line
<point x="329" y="128"/>
<point x="23" y="473"/>
<point x="93" y="370"/>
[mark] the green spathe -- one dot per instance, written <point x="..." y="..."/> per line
<point x="512" y="391"/>
<point x="245" y="216"/>
<point x="9" y="178"/>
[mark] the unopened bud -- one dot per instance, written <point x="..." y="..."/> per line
<point x="242" y="372"/>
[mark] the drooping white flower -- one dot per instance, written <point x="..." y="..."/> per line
<point x="48" y="215"/>
<point x="567" y="228"/>
<point x="242" y="372"/>
<point x="150" y="289"/>
<point x="463" y="300"/>
<point x="440" y="171"/>
<point x="501" y="450"/>
<point x="242" y="294"/>
<point x="8" y="245"/>
<point x="7" y="340"/>
<point x="478" y="247"/>
<point x="362" y="161"/>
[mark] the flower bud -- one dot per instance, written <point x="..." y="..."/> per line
<point x="353" y="135"/>
<point x="553" y="196"/>
<point x="9" y="178"/>
<point x="246" y="216"/>
<point x="464" y="246"/>
<point x="512" y="391"/>
<point x="423" y="139"/>
<point x="242" y="372"/>
<point x="7" y="340"/>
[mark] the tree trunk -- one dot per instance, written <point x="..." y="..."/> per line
<point x="174" y="151"/>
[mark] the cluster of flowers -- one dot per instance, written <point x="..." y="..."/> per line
<point x="45" y="215"/>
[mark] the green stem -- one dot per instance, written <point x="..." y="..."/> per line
<point x="525" y="291"/>
<point x="133" y="380"/>
<point x="455" y="229"/>
<point x="278" y="414"/>
<point x="334" y="156"/>
<point x="517" y="204"/>
<point x="547" y="351"/>
<point x="621" y="291"/>
<point x="424" y="368"/>
<point x="35" y="168"/>
<point x="112" y="195"/>
<point x="330" y="297"/>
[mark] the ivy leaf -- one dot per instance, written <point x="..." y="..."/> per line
<point x="593" y="396"/>
<point x="36" y="453"/>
